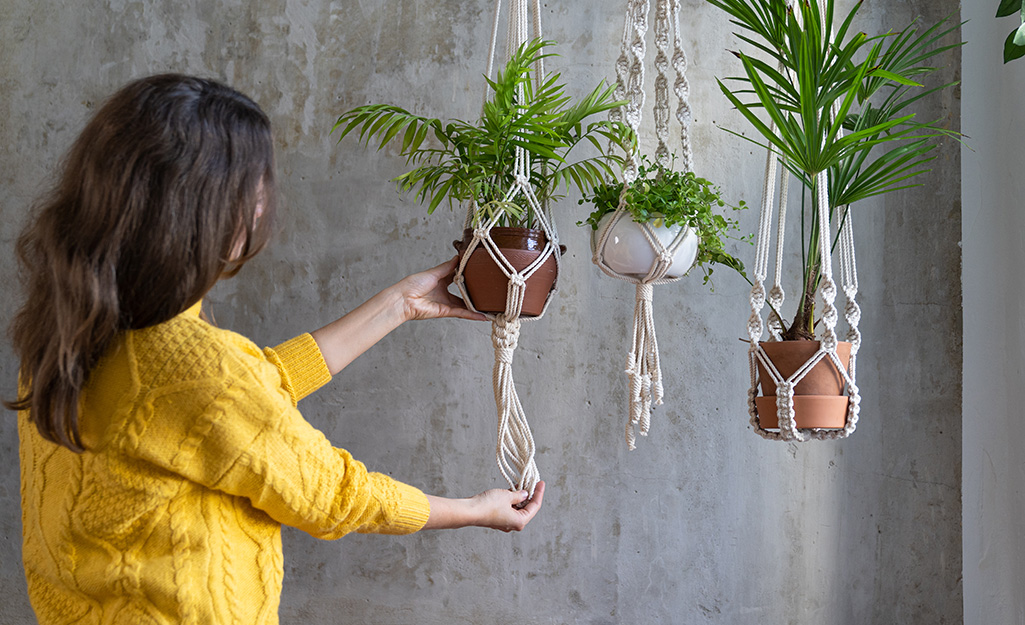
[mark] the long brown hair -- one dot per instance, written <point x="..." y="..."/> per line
<point x="157" y="200"/>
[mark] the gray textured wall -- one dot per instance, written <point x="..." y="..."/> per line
<point x="705" y="522"/>
<point x="993" y="226"/>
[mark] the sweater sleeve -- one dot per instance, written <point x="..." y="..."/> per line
<point x="250" y="441"/>
<point x="301" y="365"/>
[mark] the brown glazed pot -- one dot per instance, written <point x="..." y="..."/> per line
<point x="818" y="398"/>
<point x="486" y="283"/>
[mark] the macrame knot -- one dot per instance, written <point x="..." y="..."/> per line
<point x="776" y="294"/>
<point x="758" y="295"/>
<point x="829" y="315"/>
<point x="645" y="292"/>
<point x="828" y="291"/>
<point x="480" y="233"/>
<point x="754" y="327"/>
<point x="505" y="334"/>
<point x="665" y="261"/>
<point x="852" y="312"/>
<point x="829" y="341"/>
<point x="784" y="390"/>
<point x="517" y="280"/>
<point x="504" y="355"/>
<point x="522" y="180"/>
<point x="854" y="337"/>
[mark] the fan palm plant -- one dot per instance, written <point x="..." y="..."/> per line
<point x="474" y="162"/>
<point x="837" y="103"/>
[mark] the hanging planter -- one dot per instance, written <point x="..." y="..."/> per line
<point x="632" y="244"/>
<point x="628" y="250"/>
<point x="487" y="281"/>
<point x="842" y="145"/>
<point x="653" y="231"/>
<point x="505" y="168"/>
<point x="819" y="399"/>
<point x="664" y="216"/>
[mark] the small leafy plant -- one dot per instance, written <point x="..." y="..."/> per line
<point x="664" y="197"/>
<point x="474" y="162"/>
<point x="1014" y="45"/>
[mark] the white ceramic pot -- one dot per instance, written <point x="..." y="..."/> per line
<point x="629" y="253"/>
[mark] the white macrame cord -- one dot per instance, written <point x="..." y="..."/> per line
<point x="515" y="448"/>
<point x="643" y="367"/>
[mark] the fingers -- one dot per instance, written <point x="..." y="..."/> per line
<point x="529" y="507"/>
<point x="524" y="508"/>
<point x="446" y="270"/>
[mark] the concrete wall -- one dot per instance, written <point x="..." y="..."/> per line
<point x="993" y="231"/>
<point x="705" y="522"/>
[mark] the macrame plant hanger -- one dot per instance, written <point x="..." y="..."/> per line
<point x="515" y="449"/>
<point x="643" y="368"/>
<point x="788" y="430"/>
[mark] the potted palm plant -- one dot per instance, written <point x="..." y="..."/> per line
<point x="839" y="105"/>
<point x="474" y="162"/>
<point x="668" y="201"/>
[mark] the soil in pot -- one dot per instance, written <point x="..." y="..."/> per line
<point x="818" y="398"/>
<point x="486" y="283"/>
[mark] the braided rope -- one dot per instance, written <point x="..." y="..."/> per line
<point x="515" y="448"/>
<point x="682" y="90"/>
<point x="643" y="367"/>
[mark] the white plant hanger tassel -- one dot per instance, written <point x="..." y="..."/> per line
<point x="515" y="449"/>
<point x="788" y="430"/>
<point x="643" y="367"/>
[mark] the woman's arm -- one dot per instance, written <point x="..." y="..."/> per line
<point x="422" y="295"/>
<point x="497" y="509"/>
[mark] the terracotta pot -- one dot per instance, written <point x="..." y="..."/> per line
<point x="486" y="283"/>
<point x="810" y="411"/>
<point x="629" y="253"/>
<point x="818" y="398"/>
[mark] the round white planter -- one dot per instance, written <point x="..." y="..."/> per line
<point x="629" y="253"/>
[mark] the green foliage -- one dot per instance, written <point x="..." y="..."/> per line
<point x="662" y="196"/>
<point x="475" y="161"/>
<point x="1014" y="45"/>
<point x="812" y="86"/>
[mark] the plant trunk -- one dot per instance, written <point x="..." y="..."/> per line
<point x="803" y="326"/>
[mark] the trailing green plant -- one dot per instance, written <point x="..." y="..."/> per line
<point x="1014" y="45"/>
<point x="459" y="161"/>
<point x="664" y="197"/>
<point x="814" y="85"/>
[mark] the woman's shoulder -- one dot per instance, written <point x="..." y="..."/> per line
<point x="187" y="348"/>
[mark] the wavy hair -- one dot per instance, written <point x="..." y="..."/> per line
<point x="169" y="188"/>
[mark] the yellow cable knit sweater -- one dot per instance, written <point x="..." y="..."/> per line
<point x="196" y="456"/>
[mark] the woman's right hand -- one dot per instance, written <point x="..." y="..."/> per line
<point x="425" y="295"/>
<point x="499" y="509"/>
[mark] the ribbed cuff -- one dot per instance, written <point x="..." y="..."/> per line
<point x="302" y="366"/>
<point x="410" y="508"/>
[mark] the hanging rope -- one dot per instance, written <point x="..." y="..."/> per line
<point x="643" y="367"/>
<point x="788" y="430"/>
<point x="515" y="448"/>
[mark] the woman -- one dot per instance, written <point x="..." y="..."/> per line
<point x="160" y="454"/>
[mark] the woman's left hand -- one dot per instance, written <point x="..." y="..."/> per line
<point x="425" y="295"/>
